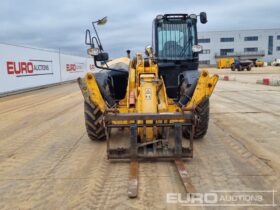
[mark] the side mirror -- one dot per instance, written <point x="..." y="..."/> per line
<point x="88" y="40"/>
<point x="149" y="51"/>
<point x="102" y="21"/>
<point x="203" y="17"/>
<point x="102" y="57"/>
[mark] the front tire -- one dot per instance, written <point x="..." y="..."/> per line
<point x="202" y="113"/>
<point x="94" y="122"/>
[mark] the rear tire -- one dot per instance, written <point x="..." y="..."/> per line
<point x="239" y="68"/>
<point x="249" y="68"/>
<point x="232" y="67"/>
<point x="94" y="122"/>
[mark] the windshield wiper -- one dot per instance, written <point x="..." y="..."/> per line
<point x="186" y="46"/>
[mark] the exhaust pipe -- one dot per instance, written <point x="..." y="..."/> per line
<point x="128" y="53"/>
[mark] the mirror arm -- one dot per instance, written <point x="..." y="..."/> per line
<point x="88" y="33"/>
<point x="107" y="68"/>
<point x="94" y="38"/>
<point x="99" y="42"/>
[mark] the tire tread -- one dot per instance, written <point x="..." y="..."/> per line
<point x="93" y="122"/>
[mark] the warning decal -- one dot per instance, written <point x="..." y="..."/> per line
<point x="148" y="94"/>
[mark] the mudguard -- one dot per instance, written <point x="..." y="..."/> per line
<point x="190" y="76"/>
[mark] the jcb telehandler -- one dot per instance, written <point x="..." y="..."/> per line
<point x="150" y="96"/>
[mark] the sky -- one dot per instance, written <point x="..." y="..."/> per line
<point x="61" y="24"/>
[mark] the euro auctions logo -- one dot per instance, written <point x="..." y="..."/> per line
<point x="29" y="68"/>
<point x="225" y="198"/>
<point x="75" y="67"/>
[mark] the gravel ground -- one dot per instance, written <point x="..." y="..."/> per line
<point x="48" y="162"/>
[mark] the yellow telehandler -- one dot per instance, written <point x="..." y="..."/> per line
<point x="150" y="96"/>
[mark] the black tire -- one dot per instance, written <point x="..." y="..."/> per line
<point x="232" y="67"/>
<point x="201" y="128"/>
<point x="94" y="122"/>
<point x="249" y="68"/>
<point x="202" y="113"/>
<point x="239" y="68"/>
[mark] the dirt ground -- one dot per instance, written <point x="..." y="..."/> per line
<point x="48" y="162"/>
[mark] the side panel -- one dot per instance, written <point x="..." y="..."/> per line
<point x="27" y="67"/>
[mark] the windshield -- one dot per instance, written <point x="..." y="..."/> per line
<point x="175" y="39"/>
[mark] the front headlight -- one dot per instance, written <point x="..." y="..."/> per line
<point x="197" y="48"/>
<point x="93" y="51"/>
<point x="193" y="16"/>
<point x="159" y="17"/>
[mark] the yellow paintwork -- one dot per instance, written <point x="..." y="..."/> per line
<point x="225" y="63"/>
<point x="94" y="92"/>
<point x="204" y="89"/>
<point x="146" y="93"/>
<point x="147" y="101"/>
<point x="259" y="63"/>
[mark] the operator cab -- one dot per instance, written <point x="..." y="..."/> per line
<point x="176" y="49"/>
<point x="175" y="36"/>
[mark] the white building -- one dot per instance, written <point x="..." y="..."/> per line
<point x="263" y="44"/>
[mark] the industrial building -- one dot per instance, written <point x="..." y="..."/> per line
<point x="262" y="44"/>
